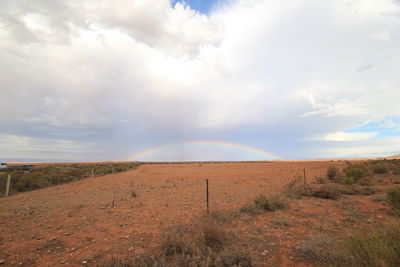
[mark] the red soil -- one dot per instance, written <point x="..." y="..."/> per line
<point x="75" y="224"/>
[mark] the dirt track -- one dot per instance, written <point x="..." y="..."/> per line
<point x="75" y="223"/>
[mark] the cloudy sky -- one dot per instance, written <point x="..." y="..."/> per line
<point x="199" y="79"/>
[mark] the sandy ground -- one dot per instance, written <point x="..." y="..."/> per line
<point x="89" y="221"/>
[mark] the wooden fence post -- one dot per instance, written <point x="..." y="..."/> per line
<point x="8" y="185"/>
<point x="92" y="173"/>
<point x="305" y="180"/>
<point x="208" y="210"/>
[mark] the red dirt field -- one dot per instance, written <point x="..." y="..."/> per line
<point x="76" y="224"/>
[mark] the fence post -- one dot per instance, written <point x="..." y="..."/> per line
<point x="8" y="185"/>
<point x="305" y="180"/>
<point x="208" y="210"/>
<point x="92" y="173"/>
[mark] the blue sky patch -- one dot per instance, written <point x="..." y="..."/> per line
<point x="202" y="6"/>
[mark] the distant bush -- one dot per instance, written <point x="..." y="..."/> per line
<point x="393" y="197"/>
<point x="26" y="179"/>
<point x="332" y="173"/>
<point x="380" y="169"/>
<point x="356" y="172"/>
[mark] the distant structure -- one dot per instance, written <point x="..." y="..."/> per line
<point x="3" y="165"/>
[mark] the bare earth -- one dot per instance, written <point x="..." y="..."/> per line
<point x="75" y="224"/>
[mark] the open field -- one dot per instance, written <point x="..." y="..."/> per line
<point x="125" y="216"/>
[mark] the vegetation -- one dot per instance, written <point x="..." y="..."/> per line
<point x="276" y="202"/>
<point x="262" y="203"/>
<point x="204" y="244"/>
<point x="26" y="179"/>
<point x="380" y="247"/>
<point x="393" y="197"/>
<point x="385" y="166"/>
<point x="333" y="173"/>
<point x="296" y="188"/>
<point x="328" y="191"/>
<point x="356" y="172"/>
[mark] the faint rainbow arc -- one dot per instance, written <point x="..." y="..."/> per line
<point x="216" y="143"/>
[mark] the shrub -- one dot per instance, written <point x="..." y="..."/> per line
<point x="393" y="197"/>
<point x="317" y="249"/>
<point x="206" y="244"/>
<point x="347" y="180"/>
<point x="276" y="202"/>
<point x="365" y="181"/>
<point x="370" y="249"/>
<point x="332" y="173"/>
<point x="327" y="191"/>
<point x="251" y="209"/>
<point x="295" y="188"/>
<point x="43" y="176"/>
<point x="356" y="172"/>
<point x="356" y="190"/>
<point x="213" y="236"/>
<point x="380" y="169"/>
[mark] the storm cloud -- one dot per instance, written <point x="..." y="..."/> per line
<point x="97" y="80"/>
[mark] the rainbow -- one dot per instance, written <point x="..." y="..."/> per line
<point x="208" y="143"/>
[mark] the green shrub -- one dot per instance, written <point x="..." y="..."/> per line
<point x="370" y="249"/>
<point x="43" y="176"/>
<point x="393" y="197"/>
<point x="356" y="172"/>
<point x="347" y="180"/>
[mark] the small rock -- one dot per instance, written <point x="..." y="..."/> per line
<point x="73" y="249"/>
<point x="1" y="261"/>
<point x="84" y="262"/>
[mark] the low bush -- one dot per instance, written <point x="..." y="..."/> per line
<point x="347" y="180"/>
<point x="328" y="191"/>
<point x="380" y="168"/>
<point x="393" y="198"/>
<point x="332" y="173"/>
<point x="204" y="244"/>
<point x="296" y="188"/>
<point x="26" y="179"/>
<point x="370" y="248"/>
<point x="276" y="202"/>
<point x="365" y="181"/>
<point x="251" y="209"/>
<point x="356" y="172"/>
<point x="356" y="190"/>
<point x="317" y="250"/>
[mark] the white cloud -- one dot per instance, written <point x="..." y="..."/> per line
<point x="353" y="136"/>
<point x="140" y="73"/>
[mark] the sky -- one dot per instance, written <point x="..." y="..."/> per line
<point x="193" y="80"/>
